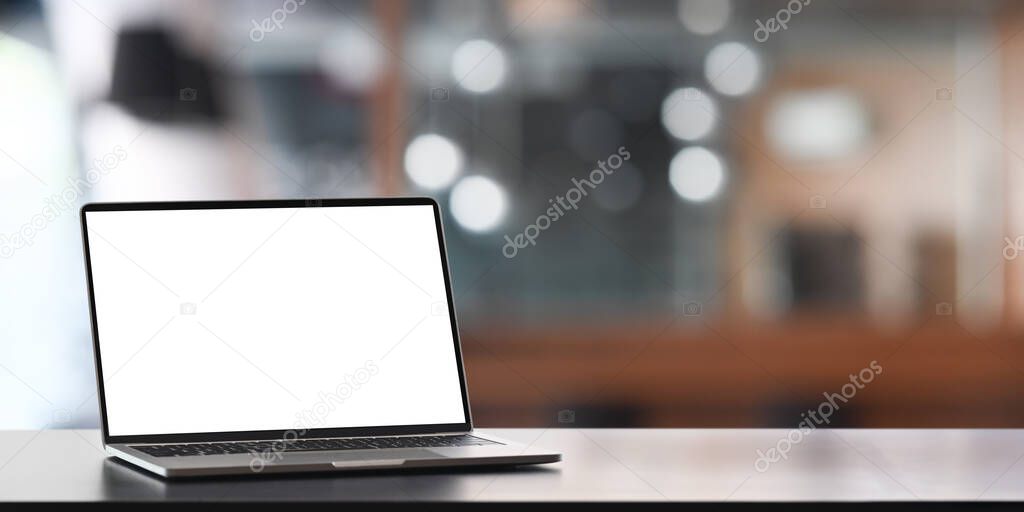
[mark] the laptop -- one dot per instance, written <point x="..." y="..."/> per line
<point x="257" y="337"/>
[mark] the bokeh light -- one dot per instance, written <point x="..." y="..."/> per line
<point x="704" y="17"/>
<point x="689" y="114"/>
<point x="479" y="66"/>
<point x="818" y="124"/>
<point x="732" y="69"/>
<point x="433" y="161"/>
<point x="352" y="59"/>
<point x="696" y="174"/>
<point x="478" y="203"/>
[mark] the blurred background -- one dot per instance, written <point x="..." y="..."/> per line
<point x="810" y="186"/>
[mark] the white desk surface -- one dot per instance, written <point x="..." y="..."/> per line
<point x="599" y="464"/>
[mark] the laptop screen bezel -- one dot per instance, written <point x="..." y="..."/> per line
<point x="386" y="430"/>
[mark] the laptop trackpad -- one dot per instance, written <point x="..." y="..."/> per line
<point x="395" y="457"/>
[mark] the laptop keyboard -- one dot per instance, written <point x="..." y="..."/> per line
<point x="309" y="445"/>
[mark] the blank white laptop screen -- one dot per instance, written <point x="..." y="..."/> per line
<point x="221" y="320"/>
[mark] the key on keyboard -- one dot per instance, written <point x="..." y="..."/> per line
<point x="306" y="445"/>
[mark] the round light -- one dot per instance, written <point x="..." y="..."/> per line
<point x="479" y="66"/>
<point x="704" y="16"/>
<point x="352" y="59"/>
<point x="688" y="114"/>
<point x="696" y="174"/>
<point x="478" y="203"/>
<point x="432" y="161"/>
<point x="732" y="69"/>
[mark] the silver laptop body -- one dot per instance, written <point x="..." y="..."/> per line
<point x="260" y="337"/>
